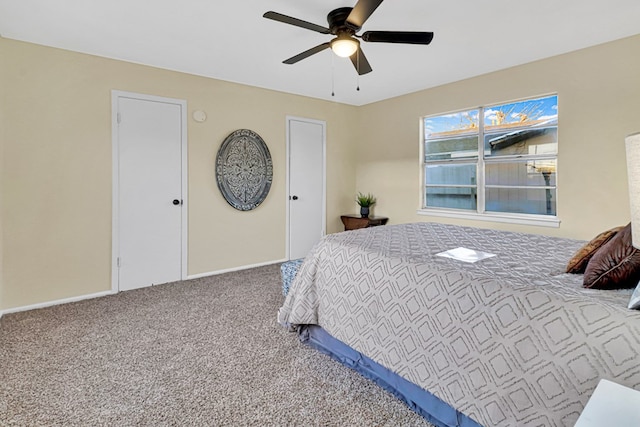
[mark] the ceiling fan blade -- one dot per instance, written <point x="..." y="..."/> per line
<point x="360" y="62"/>
<point x="307" y="53"/>
<point x="409" y="37"/>
<point x="361" y="12"/>
<point x="296" y="22"/>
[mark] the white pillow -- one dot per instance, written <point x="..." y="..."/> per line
<point x="635" y="298"/>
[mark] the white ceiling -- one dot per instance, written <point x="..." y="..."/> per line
<point x="230" y="40"/>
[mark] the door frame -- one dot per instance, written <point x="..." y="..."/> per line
<point x="115" y="182"/>
<point x="322" y="123"/>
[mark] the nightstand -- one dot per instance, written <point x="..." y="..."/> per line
<point x="353" y="222"/>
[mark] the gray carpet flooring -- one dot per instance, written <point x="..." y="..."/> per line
<point x="200" y="352"/>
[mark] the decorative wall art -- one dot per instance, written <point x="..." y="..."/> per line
<point x="244" y="170"/>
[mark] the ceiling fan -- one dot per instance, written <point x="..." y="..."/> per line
<point x="344" y="23"/>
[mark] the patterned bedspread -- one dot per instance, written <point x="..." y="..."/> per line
<point x="508" y="340"/>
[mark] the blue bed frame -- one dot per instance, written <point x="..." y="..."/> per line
<point x="421" y="401"/>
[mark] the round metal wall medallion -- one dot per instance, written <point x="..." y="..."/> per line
<point x="244" y="170"/>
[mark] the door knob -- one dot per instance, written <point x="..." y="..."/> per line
<point x="295" y="197"/>
<point x="176" y="201"/>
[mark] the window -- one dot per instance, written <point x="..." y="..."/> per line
<point x="496" y="162"/>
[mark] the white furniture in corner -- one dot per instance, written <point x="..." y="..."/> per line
<point x="611" y="405"/>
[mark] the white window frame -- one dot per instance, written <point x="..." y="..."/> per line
<point x="481" y="214"/>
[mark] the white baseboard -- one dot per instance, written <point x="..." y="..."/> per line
<point x="111" y="292"/>
<point x="231" y="270"/>
<point x="56" y="302"/>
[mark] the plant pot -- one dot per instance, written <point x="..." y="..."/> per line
<point x="364" y="211"/>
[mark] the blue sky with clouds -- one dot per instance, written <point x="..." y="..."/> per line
<point x="532" y="109"/>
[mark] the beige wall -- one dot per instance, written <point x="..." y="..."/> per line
<point x="599" y="104"/>
<point x="55" y="209"/>
<point x="56" y="174"/>
<point x="2" y="138"/>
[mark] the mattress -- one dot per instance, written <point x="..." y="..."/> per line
<point x="508" y="340"/>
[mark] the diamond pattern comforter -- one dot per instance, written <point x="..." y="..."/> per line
<point x="508" y="341"/>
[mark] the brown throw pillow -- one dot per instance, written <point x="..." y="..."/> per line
<point x="615" y="265"/>
<point x="579" y="262"/>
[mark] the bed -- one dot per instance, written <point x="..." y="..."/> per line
<point x="505" y="341"/>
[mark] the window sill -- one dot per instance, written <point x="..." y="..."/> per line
<point x="521" y="219"/>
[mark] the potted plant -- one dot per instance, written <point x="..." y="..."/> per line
<point x="365" y="201"/>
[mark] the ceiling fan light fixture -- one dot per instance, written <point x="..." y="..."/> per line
<point x="344" y="46"/>
<point x="344" y="24"/>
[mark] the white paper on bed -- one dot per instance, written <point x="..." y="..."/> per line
<point x="465" y="255"/>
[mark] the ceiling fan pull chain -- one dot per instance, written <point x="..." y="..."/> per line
<point x="333" y="78"/>
<point x="358" y="70"/>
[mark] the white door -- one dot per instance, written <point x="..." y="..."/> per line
<point x="149" y="201"/>
<point x="306" y="141"/>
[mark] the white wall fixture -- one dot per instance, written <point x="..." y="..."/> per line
<point x="633" y="172"/>
<point x="199" y="116"/>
